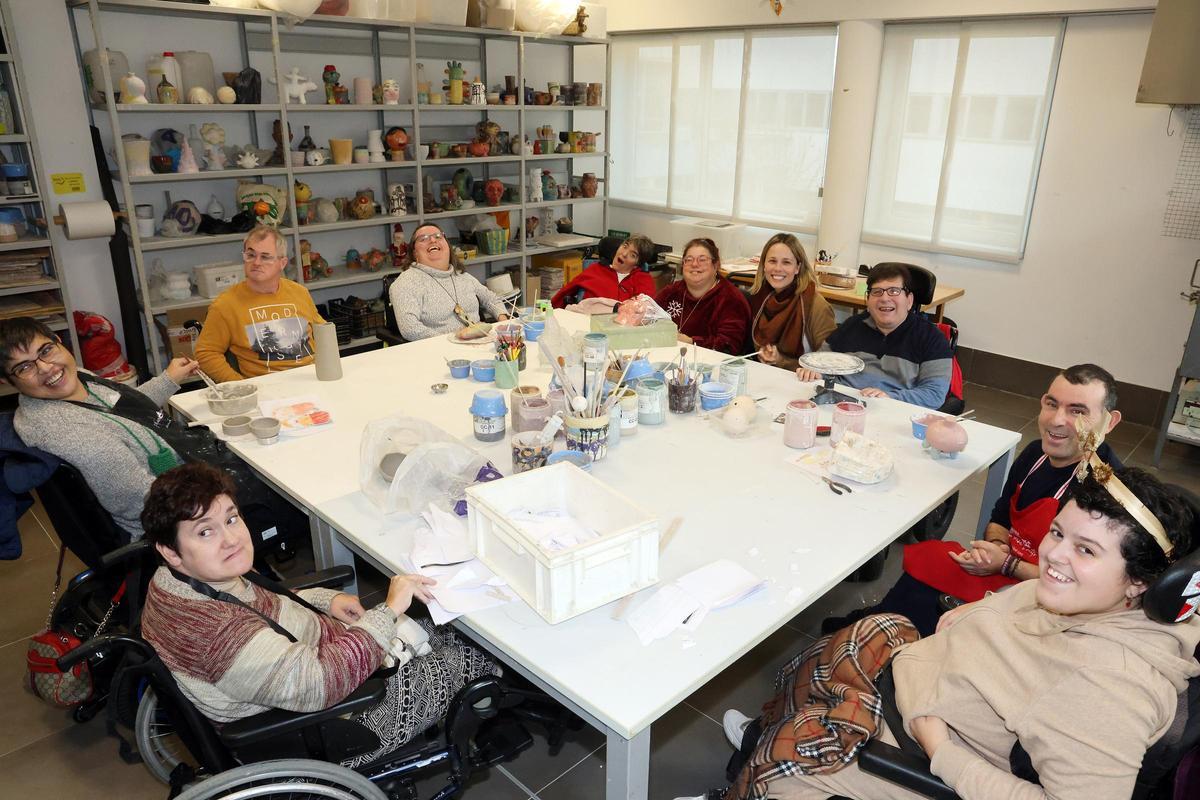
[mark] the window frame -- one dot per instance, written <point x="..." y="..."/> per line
<point x="953" y="123"/>
<point x="748" y="34"/>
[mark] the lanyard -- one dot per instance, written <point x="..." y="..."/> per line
<point x="258" y="580"/>
<point x="160" y="460"/>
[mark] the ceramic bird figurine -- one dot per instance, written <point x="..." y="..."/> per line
<point x="247" y="160"/>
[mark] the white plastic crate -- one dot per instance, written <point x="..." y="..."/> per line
<point x="212" y="279"/>
<point x="561" y="584"/>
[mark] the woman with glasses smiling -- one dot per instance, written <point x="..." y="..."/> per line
<point x="708" y="310"/>
<point x="433" y="296"/>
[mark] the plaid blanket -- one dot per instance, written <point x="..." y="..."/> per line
<point x="825" y="708"/>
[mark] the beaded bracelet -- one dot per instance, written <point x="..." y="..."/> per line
<point x="1009" y="567"/>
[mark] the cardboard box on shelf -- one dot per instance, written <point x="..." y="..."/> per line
<point x="180" y="341"/>
<point x="569" y="261"/>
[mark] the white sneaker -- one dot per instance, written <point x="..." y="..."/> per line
<point x="735" y="723"/>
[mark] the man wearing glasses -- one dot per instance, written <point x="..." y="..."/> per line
<point x="265" y="321"/>
<point x="906" y="357"/>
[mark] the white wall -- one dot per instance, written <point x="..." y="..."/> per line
<point x="1098" y="281"/>
<point x="638" y="15"/>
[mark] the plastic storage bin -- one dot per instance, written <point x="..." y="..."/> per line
<point x="442" y="12"/>
<point x="561" y="584"/>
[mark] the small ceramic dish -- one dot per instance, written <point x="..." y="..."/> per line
<point x="389" y="464"/>
<point x="265" y="430"/>
<point x="439" y="388"/>
<point x="236" y="426"/>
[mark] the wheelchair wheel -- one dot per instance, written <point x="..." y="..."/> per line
<point x="291" y="778"/>
<point x="161" y="750"/>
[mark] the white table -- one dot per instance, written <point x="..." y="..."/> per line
<point x="737" y="497"/>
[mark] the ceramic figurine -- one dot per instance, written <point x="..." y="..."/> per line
<point x="520" y="146"/>
<point x="396" y="140"/>
<point x="181" y="219"/>
<point x="478" y="93"/>
<point x="306" y="259"/>
<point x="579" y="25"/>
<point x="478" y="149"/>
<point x="549" y="186"/>
<point x="453" y="84"/>
<point x="133" y="90"/>
<point x="247" y="160"/>
<point x="319" y="267"/>
<point x="199" y="96"/>
<point x="399" y="246"/>
<point x="226" y="95"/>
<point x="464" y="182"/>
<point x="213" y="136"/>
<point x="187" y="160"/>
<point x="248" y="86"/>
<point x="422" y="85"/>
<point x="330" y="77"/>
<point x="167" y="93"/>
<point x="374" y="259"/>
<point x="306" y="142"/>
<point x="450" y="198"/>
<point x="493" y="190"/>
<point x="314" y="158"/>
<point x="215" y="209"/>
<point x="397" y="200"/>
<point x="458" y="151"/>
<point x="277" y="158"/>
<point x="375" y="146"/>
<point x="352" y="259"/>
<point x="363" y="205"/>
<point x="265" y="202"/>
<point x="302" y="191"/>
<point x="296" y="87"/>
<point x="390" y="92"/>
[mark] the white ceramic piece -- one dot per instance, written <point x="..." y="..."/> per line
<point x="199" y="96"/>
<point x="133" y="90"/>
<point x="746" y="403"/>
<point x="737" y="420"/>
<point x="226" y="95"/>
<point x="946" y="435"/>
<point x="860" y="459"/>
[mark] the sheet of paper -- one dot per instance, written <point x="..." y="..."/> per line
<point x="443" y="542"/>
<point x="721" y="583"/>
<point x="298" y="416"/>
<point x="687" y="601"/>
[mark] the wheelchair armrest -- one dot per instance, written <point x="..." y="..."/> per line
<point x="102" y="643"/>
<point x="389" y="338"/>
<point x="332" y="578"/>
<point x="912" y="772"/>
<point x="277" y="722"/>
<point x="129" y="552"/>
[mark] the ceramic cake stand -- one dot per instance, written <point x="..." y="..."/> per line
<point x="831" y="365"/>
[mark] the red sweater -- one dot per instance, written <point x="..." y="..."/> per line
<point x="719" y="320"/>
<point x="601" y="280"/>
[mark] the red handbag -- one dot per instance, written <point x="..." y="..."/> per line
<point x="43" y="677"/>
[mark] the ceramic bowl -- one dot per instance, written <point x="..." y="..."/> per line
<point x="483" y="370"/>
<point x="233" y="398"/>
<point x="389" y="465"/>
<point x="459" y="368"/>
<point x="236" y="426"/>
<point x="265" y="430"/>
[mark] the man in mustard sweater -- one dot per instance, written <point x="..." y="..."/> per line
<point x="265" y="321"/>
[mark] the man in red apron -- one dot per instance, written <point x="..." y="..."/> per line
<point x="1038" y="483"/>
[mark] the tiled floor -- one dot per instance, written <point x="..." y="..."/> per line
<point x="42" y="751"/>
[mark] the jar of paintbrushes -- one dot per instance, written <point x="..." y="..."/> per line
<point x="682" y="386"/>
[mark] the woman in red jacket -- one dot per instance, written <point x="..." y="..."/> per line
<point x="623" y="280"/>
<point x="709" y="310"/>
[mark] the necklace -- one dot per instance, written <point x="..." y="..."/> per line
<point x="699" y="300"/>
<point x="458" y="309"/>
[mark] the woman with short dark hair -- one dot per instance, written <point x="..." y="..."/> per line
<point x="238" y="645"/>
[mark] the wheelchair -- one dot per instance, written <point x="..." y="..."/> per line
<point x="483" y="726"/>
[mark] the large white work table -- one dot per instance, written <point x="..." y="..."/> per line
<point x="737" y="498"/>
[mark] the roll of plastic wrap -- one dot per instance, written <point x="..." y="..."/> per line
<point x="91" y="220"/>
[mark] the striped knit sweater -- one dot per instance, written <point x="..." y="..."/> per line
<point x="231" y="664"/>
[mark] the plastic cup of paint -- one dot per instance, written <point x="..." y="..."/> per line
<point x="459" y="368"/>
<point x="487" y="415"/>
<point x="714" y="395"/>
<point x="484" y="370"/>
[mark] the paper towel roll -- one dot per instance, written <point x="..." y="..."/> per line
<point x="89" y="220"/>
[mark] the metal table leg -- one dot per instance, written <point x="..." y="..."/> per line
<point x="992" y="488"/>
<point x="627" y="767"/>
<point x="329" y="550"/>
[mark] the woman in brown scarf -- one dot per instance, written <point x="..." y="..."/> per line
<point x="789" y="317"/>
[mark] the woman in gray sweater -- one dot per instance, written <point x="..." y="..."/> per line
<point x="434" y="296"/>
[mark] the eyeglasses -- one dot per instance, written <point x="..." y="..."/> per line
<point x="697" y="261"/>
<point x="429" y="237"/>
<point x="26" y="368"/>
<point x="251" y="256"/>
<point x="890" y="291"/>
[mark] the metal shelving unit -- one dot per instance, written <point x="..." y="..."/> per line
<point x="272" y="33"/>
<point x="20" y="146"/>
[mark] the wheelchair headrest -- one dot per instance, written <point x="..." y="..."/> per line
<point x="1175" y="595"/>
<point x="922" y="282"/>
<point x="607" y="249"/>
